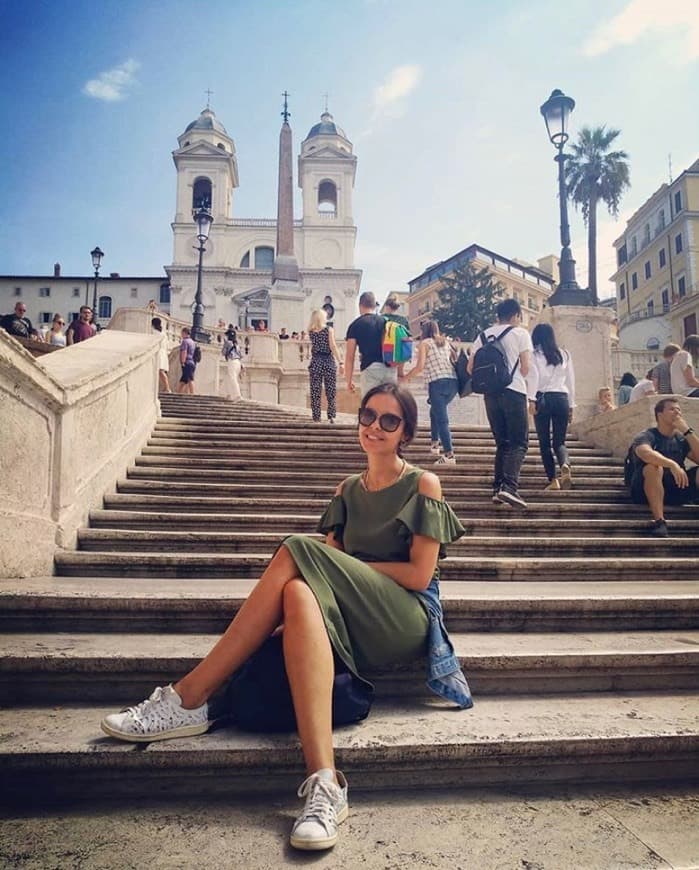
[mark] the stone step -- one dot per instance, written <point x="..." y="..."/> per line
<point x="81" y="563"/>
<point x="291" y="480"/>
<point x="505" y="523"/>
<point x="626" y="736"/>
<point x="61" y="668"/>
<point x="349" y="457"/>
<point x="267" y="466"/>
<point x="137" y="604"/>
<point x="140" y="540"/>
<point x="195" y="498"/>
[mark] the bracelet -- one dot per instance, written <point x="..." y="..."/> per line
<point x="689" y="431"/>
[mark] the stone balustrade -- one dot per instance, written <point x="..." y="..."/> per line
<point x="71" y="424"/>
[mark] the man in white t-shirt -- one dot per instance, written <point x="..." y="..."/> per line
<point x="507" y="410"/>
<point x="682" y="374"/>
<point x="645" y="387"/>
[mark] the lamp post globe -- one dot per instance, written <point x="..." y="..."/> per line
<point x="203" y="219"/>
<point x="96" y="255"/>
<point x="556" y="111"/>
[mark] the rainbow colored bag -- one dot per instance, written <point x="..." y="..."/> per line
<point x="397" y="344"/>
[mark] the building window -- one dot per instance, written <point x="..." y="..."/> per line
<point x="646" y="234"/>
<point x="44" y="292"/>
<point x="678" y="243"/>
<point x="622" y="290"/>
<point x="105" y="306"/>
<point x="245" y="262"/>
<point x="661" y="258"/>
<point x="18" y="291"/>
<point x="634" y="281"/>
<point x="264" y="258"/>
<point x="661" y="219"/>
<point x="165" y="293"/>
<point x="650" y="306"/>
<point x="665" y="297"/>
<point x="134" y="292"/>
<point x="646" y="269"/>
<point x="634" y="247"/>
<point x="678" y="201"/>
<point x="621" y="255"/>
<point x="327" y="197"/>
<point x="76" y="291"/>
<point x="46" y="317"/>
<point x="681" y="287"/>
<point x="201" y="194"/>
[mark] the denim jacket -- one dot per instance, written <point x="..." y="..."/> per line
<point x="444" y="675"/>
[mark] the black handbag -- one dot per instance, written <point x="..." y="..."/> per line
<point x="462" y="376"/>
<point x="540" y="402"/>
<point x="258" y="697"/>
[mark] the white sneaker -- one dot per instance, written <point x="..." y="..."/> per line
<point x="326" y="807"/>
<point x="160" y="717"/>
<point x="446" y="460"/>
<point x="435" y="448"/>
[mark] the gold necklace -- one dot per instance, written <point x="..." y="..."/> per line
<point x="365" y="479"/>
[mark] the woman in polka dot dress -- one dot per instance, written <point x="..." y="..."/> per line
<point x="322" y="368"/>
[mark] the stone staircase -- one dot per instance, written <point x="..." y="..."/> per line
<point x="579" y="634"/>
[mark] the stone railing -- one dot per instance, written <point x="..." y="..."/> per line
<point x="636" y="361"/>
<point x="71" y="424"/>
<point x="615" y="430"/>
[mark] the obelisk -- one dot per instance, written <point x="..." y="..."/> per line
<point x="285" y="274"/>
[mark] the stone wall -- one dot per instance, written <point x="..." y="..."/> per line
<point x="72" y="422"/>
<point x="615" y="430"/>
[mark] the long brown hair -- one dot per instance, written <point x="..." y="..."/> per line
<point x="430" y="329"/>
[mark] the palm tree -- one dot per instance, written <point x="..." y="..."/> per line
<point x="594" y="174"/>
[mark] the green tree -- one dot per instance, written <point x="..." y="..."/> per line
<point x="595" y="174"/>
<point x="467" y="301"/>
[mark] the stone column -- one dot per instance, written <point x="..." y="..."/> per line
<point x="586" y="333"/>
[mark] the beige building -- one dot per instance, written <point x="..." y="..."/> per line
<point x="46" y="295"/>
<point x="530" y="285"/>
<point x="657" y="279"/>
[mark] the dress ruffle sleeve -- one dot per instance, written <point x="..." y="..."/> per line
<point x="334" y="518"/>
<point x="422" y="515"/>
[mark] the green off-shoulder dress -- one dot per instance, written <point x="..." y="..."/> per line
<point x="371" y="621"/>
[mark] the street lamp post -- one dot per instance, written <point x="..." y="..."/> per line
<point x="203" y="219"/>
<point x="556" y="111"/>
<point x="96" y="255"/>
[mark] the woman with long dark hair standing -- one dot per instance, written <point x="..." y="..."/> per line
<point x="551" y="389"/>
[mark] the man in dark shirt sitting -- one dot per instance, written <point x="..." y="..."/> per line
<point x="80" y="328"/>
<point x="660" y="476"/>
<point x="18" y="325"/>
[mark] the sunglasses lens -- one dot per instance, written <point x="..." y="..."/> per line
<point x="389" y="422"/>
<point x="366" y="416"/>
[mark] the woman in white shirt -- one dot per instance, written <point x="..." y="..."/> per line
<point x="551" y="391"/>
<point x="434" y="358"/>
<point x="683" y="375"/>
<point x="55" y="334"/>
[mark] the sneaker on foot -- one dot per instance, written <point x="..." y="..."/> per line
<point x="326" y="807"/>
<point x="658" y="529"/>
<point x="446" y="460"/>
<point x="436" y="448"/>
<point x="553" y="486"/>
<point x="160" y="717"/>
<point x="496" y="496"/>
<point x="566" y="477"/>
<point x="511" y="498"/>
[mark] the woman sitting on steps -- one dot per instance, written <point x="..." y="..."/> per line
<point x="368" y="594"/>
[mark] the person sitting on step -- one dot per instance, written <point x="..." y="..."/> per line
<point x="660" y="476"/>
<point x="367" y="594"/>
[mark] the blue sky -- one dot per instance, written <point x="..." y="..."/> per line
<point x="441" y="101"/>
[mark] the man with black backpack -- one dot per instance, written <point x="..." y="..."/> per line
<point x="498" y="364"/>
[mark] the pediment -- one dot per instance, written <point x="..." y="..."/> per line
<point x="329" y="151"/>
<point x="202" y="149"/>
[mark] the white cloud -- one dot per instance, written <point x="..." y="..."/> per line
<point x="112" y="84"/>
<point x="399" y="83"/>
<point x="641" y="18"/>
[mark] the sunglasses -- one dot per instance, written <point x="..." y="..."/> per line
<point x="388" y="422"/>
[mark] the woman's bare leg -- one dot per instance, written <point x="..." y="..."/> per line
<point x="309" y="666"/>
<point x="261" y="613"/>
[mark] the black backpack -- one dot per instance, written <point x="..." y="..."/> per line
<point x="491" y="371"/>
<point x="197" y="354"/>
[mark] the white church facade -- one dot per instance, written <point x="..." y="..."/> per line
<point x="240" y="282"/>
